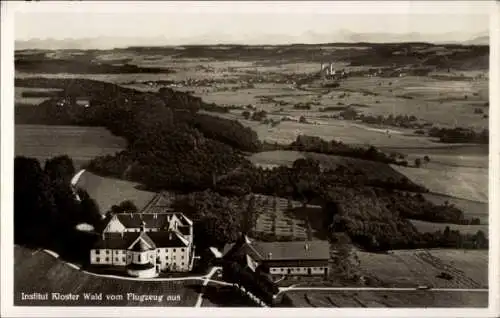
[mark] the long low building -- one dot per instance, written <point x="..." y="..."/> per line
<point x="283" y="258"/>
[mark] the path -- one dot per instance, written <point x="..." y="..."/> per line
<point x="285" y="289"/>
<point x="205" y="283"/>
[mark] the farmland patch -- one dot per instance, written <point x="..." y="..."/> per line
<point x="461" y="182"/>
<point x="410" y="268"/>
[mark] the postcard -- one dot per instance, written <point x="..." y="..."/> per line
<point x="249" y="158"/>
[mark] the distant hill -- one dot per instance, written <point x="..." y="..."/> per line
<point x="310" y="37"/>
<point x="480" y="40"/>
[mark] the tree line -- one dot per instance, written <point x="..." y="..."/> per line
<point x="47" y="209"/>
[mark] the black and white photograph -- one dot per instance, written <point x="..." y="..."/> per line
<point x="298" y="156"/>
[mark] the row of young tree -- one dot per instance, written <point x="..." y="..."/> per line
<point x="47" y="209"/>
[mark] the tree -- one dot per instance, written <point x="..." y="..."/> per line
<point x="34" y="204"/>
<point x="60" y="169"/>
<point x="418" y="162"/>
<point x="128" y="206"/>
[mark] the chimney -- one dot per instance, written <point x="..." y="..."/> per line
<point x="269" y="255"/>
<point x="154" y="216"/>
<point x="306" y="247"/>
<point x="170" y="235"/>
<point x="143" y="226"/>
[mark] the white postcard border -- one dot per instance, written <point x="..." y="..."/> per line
<point x="7" y="155"/>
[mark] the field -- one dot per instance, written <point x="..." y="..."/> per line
<point x="80" y="143"/>
<point x="109" y="191"/>
<point x="41" y="273"/>
<point x="424" y="226"/>
<point x="410" y="268"/>
<point x="374" y="170"/>
<point x="33" y="99"/>
<point x="387" y="299"/>
<point x="460" y="182"/>
<point x="472" y="209"/>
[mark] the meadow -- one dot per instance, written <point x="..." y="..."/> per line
<point x="411" y="268"/>
<point x="472" y="209"/>
<point x="460" y="182"/>
<point x="108" y="191"/>
<point x="387" y="299"/>
<point x="80" y="143"/>
<point x="424" y="226"/>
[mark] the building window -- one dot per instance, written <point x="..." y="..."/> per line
<point x="182" y="250"/>
<point x="174" y="250"/>
<point x="182" y="257"/>
<point x="166" y="257"/>
<point x="107" y="252"/>
<point x="97" y="251"/>
<point x="97" y="259"/>
<point x="107" y="259"/>
<point x="182" y="263"/>
<point x="123" y="259"/>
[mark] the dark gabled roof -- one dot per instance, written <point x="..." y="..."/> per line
<point x="316" y="250"/>
<point x="117" y="241"/>
<point x="184" y="230"/>
<point x="151" y="220"/>
<point x="134" y="220"/>
<point x="243" y="246"/>
<point x="279" y="251"/>
<point x="168" y="239"/>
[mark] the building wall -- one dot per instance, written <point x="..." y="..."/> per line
<point x="285" y="270"/>
<point x="101" y="256"/>
<point x="174" y="258"/>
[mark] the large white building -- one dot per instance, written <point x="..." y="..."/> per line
<point x="146" y="243"/>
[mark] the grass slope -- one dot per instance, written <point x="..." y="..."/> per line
<point x="43" y="273"/>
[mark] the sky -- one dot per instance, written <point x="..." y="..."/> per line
<point x="238" y="21"/>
